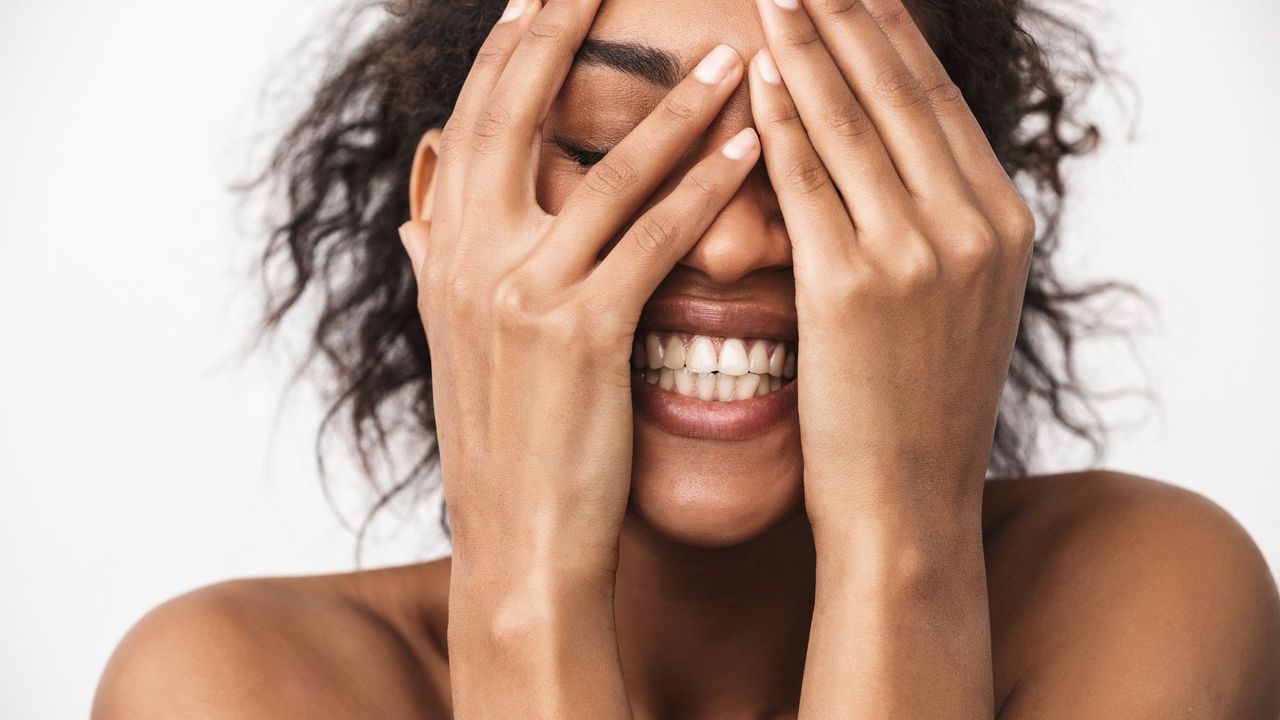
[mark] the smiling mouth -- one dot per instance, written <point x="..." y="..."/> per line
<point x="711" y="368"/>
<point x="716" y="369"/>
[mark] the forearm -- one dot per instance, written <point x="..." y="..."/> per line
<point x="534" y="644"/>
<point x="901" y="623"/>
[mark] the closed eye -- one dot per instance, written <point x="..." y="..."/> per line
<point x="575" y="152"/>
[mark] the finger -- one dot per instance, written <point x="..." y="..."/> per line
<point x="840" y="129"/>
<point x="660" y="237"/>
<point x="817" y="221"/>
<point x="619" y="185"/>
<point x="969" y="145"/>
<point x="506" y="135"/>
<point x="992" y="191"/>
<point x="893" y="97"/>
<point x="490" y="61"/>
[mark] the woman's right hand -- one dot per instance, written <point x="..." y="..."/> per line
<point x="531" y="335"/>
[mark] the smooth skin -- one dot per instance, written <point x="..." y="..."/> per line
<point x="903" y="584"/>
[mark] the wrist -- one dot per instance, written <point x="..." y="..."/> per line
<point x="521" y="596"/>
<point x="546" y="631"/>
<point x="890" y="504"/>
<point x="903" y="553"/>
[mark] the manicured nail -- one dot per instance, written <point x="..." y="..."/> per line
<point x="741" y="145"/>
<point x="515" y="8"/>
<point x="716" y="65"/>
<point x="787" y="4"/>
<point x="767" y="68"/>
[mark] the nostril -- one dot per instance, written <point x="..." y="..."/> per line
<point x="744" y="238"/>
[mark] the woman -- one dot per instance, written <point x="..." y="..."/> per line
<point x="720" y="302"/>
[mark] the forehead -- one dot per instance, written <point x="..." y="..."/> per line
<point x="687" y="28"/>
<point x="615" y="78"/>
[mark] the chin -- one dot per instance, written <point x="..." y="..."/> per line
<point x="715" y="493"/>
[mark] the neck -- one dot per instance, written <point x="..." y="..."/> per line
<point x="714" y="632"/>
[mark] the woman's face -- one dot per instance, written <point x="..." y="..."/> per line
<point x="690" y="483"/>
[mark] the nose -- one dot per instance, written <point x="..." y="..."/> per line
<point x="746" y="236"/>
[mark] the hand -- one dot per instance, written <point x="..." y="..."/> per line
<point x="530" y="334"/>
<point x="911" y="249"/>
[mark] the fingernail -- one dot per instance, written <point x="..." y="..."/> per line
<point x="716" y="65"/>
<point x="741" y="145"/>
<point x="515" y="8"/>
<point x="767" y="68"/>
<point x="787" y="4"/>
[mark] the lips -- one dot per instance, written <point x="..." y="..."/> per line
<point x="722" y="318"/>
<point x="701" y="388"/>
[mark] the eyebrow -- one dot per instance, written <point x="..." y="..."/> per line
<point x="651" y="64"/>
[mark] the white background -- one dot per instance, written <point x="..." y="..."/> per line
<point x="138" y="460"/>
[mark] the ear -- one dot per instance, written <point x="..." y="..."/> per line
<point x="422" y="179"/>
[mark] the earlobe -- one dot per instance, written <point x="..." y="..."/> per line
<point x="422" y="179"/>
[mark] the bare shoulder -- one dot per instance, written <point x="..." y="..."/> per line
<point x="1119" y="596"/>
<point x="355" y="645"/>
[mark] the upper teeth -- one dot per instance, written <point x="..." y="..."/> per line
<point x="693" y="366"/>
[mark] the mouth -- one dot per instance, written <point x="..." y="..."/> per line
<point x="714" y="370"/>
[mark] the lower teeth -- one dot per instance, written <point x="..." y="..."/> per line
<point x="713" y="386"/>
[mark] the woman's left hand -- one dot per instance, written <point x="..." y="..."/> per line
<point x="911" y="249"/>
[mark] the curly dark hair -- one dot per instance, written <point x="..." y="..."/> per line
<point x="340" y="175"/>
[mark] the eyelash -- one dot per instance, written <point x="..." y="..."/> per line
<point x="582" y="156"/>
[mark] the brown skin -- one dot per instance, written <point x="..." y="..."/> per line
<point x="1111" y="596"/>
<point x="603" y="568"/>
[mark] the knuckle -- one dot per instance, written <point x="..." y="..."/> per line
<point x="704" y="182"/>
<point x="941" y="91"/>
<point x="913" y="267"/>
<point x="974" y="250"/>
<point x="678" y="109"/>
<point x="453" y="137"/>
<point x="613" y="175"/>
<point x="807" y="175"/>
<point x="782" y="113"/>
<point x="491" y="124"/>
<point x="519" y="309"/>
<point x="546" y="29"/>
<point x="511" y="302"/>
<point x="899" y="87"/>
<point x="848" y="119"/>
<point x="656" y="232"/>
<point x="891" y="17"/>
<point x="839" y="8"/>
<point x="489" y="57"/>
<point x="800" y="38"/>
<point x="1017" y="225"/>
